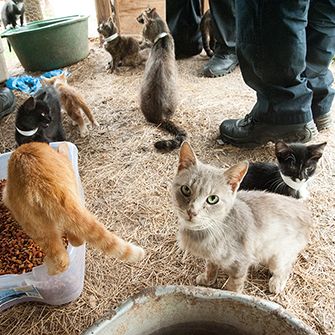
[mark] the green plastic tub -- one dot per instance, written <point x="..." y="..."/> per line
<point x="50" y="44"/>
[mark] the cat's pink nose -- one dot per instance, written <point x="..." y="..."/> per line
<point x="191" y="213"/>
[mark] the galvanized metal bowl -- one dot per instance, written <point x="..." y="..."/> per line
<point x="180" y="310"/>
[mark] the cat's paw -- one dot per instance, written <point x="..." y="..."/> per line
<point x="234" y="285"/>
<point x="276" y="284"/>
<point x="95" y="124"/>
<point x="304" y="194"/>
<point x="203" y="280"/>
<point x="57" y="264"/>
<point x="83" y="131"/>
<point x="136" y="255"/>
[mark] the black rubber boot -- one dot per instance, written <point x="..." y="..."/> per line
<point x="224" y="60"/>
<point x="250" y="133"/>
<point x="220" y="65"/>
<point x="7" y="101"/>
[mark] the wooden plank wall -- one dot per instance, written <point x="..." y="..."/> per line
<point x="129" y="10"/>
<point x="205" y="5"/>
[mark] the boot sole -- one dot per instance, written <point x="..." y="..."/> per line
<point x="324" y="122"/>
<point x="211" y="75"/>
<point x="287" y="138"/>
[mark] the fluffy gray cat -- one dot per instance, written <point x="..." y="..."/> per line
<point x="236" y="230"/>
<point x="158" y="97"/>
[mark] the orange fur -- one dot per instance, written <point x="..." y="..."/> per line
<point x="43" y="196"/>
<point x="72" y="102"/>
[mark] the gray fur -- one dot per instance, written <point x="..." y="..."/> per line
<point x="158" y="96"/>
<point x="243" y="229"/>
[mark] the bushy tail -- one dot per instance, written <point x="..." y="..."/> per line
<point x="168" y="145"/>
<point x="86" y="110"/>
<point x="86" y="227"/>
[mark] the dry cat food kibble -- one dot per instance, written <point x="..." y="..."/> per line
<point x="18" y="252"/>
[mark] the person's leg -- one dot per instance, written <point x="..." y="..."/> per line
<point x="223" y="17"/>
<point x="320" y="35"/>
<point x="271" y="48"/>
<point x="183" y="18"/>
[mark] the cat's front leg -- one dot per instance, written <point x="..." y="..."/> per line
<point x="281" y="269"/>
<point x="109" y="66"/>
<point x="57" y="258"/>
<point x="237" y="276"/>
<point x="208" y="278"/>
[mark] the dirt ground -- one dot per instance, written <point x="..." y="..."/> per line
<point x="127" y="186"/>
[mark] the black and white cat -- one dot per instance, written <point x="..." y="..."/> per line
<point x="296" y="166"/>
<point x="39" y="118"/>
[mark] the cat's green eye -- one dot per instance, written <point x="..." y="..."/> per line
<point x="185" y="190"/>
<point x="212" y="199"/>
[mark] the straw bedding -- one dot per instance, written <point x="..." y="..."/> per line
<point x="127" y="186"/>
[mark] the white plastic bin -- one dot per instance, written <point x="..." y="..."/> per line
<point x="37" y="285"/>
<point x="3" y="67"/>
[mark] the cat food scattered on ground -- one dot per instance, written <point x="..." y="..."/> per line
<point x="18" y="252"/>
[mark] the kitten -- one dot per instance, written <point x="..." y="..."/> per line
<point x="296" y="166"/>
<point x="124" y="50"/>
<point x="43" y="196"/>
<point x="11" y="11"/>
<point x="207" y="33"/>
<point x="236" y="230"/>
<point x="39" y="118"/>
<point x="158" y="97"/>
<point x="72" y="102"/>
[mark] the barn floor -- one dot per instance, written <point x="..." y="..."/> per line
<point x="127" y="185"/>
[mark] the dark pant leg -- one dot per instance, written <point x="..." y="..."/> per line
<point x="224" y="24"/>
<point x="320" y="34"/>
<point x="183" y="18"/>
<point x="271" y="48"/>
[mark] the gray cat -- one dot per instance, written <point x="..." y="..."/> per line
<point x="236" y="230"/>
<point x="158" y="97"/>
<point x="125" y="51"/>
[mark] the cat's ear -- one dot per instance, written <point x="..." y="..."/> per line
<point x="63" y="149"/>
<point x="63" y="76"/>
<point x="41" y="96"/>
<point x="30" y="104"/>
<point x="282" y="150"/>
<point x="187" y="157"/>
<point x="316" y="151"/>
<point x="46" y="81"/>
<point x="235" y="174"/>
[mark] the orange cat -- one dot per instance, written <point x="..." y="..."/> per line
<point x="43" y="196"/>
<point x="72" y="102"/>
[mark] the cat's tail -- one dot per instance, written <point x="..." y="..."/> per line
<point x="168" y="145"/>
<point x="86" y="110"/>
<point x="86" y="227"/>
<point x="205" y="37"/>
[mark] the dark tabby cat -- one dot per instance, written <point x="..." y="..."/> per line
<point x="11" y="11"/>
<point x="158" y="98"/>
<point x="207" y="33"/>
<point x="296" y="166"/>
<point x="124" y="50"/>
<point x="39" y="118"/>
